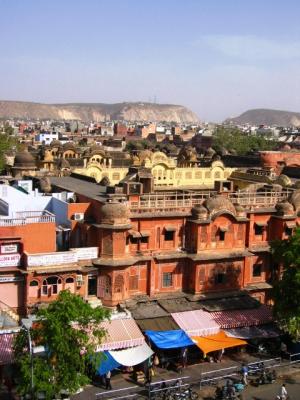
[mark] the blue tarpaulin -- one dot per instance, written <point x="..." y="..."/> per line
<point x="108" y="363"/>
<point x="169" y="339"/>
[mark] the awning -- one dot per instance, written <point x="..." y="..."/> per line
<point x="254" y="332"/>
<point x="261" y="224"/>
<point x="134" y="234"/>
<point x="107" y="363"/>
<point x="169" y="339"/>
<point x="290" y="224"/>
<point x="120" y="334"/>
<point x="196" y="323"/>
<point x="223" y="228"/>
<point x="170" y="228"/>
<point x="241" y="318"/>
<point x="6" y="348"/>
<point x="132" y="356"/>
<point x="216" y="342"/>
<point x="145" y="233"/>
<point x="157" y="324"/>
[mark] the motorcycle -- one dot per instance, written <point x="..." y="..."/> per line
<point x="266" y="378"/>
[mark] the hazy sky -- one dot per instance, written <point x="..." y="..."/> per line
<point x="218" y="58"/>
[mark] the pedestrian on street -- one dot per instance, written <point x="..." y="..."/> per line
<point x="107" y="380"/>
<point x="283" y="394"/>
<point x="184" y="357"/>
<point x="245" y="374"/>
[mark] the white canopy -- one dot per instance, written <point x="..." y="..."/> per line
<point x="132" y="356"/>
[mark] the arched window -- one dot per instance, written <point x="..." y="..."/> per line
<point x="69" y="284"/>
<point x="51" y="285"/>
<point x="119" y="284"/>
<point x="33" y="290"/>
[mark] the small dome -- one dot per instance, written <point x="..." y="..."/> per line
<point x="219" y="204"/>
<point x="69" y="146"/>
<point x="286" y="147"/>
<point x="45" y="185"/>
<point x="55" y="143"/>
<point x="210" y="152"/>
<point x="24" y="159"/>
<point x="63" y="163"/>
<point x="295" y="199"/>
<point x="284" y="208"/>
<point x="240" y="211"/>
<point x="283" y="180"/>
<point x="114" y="213"/>
<point x="199" y="212"/>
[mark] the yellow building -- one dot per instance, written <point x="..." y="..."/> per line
<point x="165" y="170"/>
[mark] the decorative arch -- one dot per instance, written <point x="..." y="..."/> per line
<point x="33" y="290"/>
<point x="70" y="284"/>
<point x="119" y="284"/>
<point x="104" y="287"/>
<point x="51" y="285"/>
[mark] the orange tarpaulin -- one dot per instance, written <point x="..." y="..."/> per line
<point x="216" y="342"/>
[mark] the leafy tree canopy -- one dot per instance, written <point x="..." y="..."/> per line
<point x="287" y="289"/>
<point x="69" y="330"/>
<point x="232" y="138"/>
<point x="7" y="142"/>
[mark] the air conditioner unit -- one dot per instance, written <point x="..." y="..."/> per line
<point x="78" y="216"/>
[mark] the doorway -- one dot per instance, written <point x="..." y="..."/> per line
<point x="92" y="285"/>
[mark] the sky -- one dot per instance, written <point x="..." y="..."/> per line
<point x="217" y="57"/>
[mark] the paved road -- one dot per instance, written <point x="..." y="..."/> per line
<point x="269" y="392"/>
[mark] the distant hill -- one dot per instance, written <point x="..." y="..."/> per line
<point x="267" y="117"/>
<point x="97" y="111"/>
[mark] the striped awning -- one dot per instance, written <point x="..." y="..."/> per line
<point x="196" y="323"/>
<point x="121" y="334"/>
<point x="6" y="348"/>
<point x="241" y="318"/>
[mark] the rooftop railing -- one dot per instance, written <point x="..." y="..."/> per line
<point x="28" y="217"/>
<point x="164" y="202"/>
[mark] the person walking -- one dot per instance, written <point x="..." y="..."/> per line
<point x="283" y="394"/>
<point x="107" y="380"/>
<point x="245" y="374"/>
<point x="184" y="357"/>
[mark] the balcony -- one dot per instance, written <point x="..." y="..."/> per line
<point x="183" y="202"/>
<point x="28" y="217"/>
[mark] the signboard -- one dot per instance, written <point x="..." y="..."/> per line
<point x="86" y="253"/>
<point x="64" y="257"/>
<point x="9" y="248"/>
<point x="4" y="279"/>
<point x="10" y="260"/>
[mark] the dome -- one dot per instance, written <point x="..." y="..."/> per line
<point x="114" y="213"/>
<point x="45" y="185"/>
<point x="98" y="151"/>
<point x="283" y="180"/>
<point x="219" y="205"/>
<point x="286" y="147"/>
<point x="55" y="143"/>
<point x="285" y="208"/>
<point x="24" y="159"/>
<point x="240" y="211"/>
<point x="63" y="163"/>
<point x="69" y="146"/>
<point x="210" y="152"/>
<point x="199" y="212"/>
<point x="295" y="199"/>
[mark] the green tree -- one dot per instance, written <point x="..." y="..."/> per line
<point x="69" y="330"/>
<point x="232" y="138"/>
<point x="287" y="289"/>
<point x="7" y="142"/>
